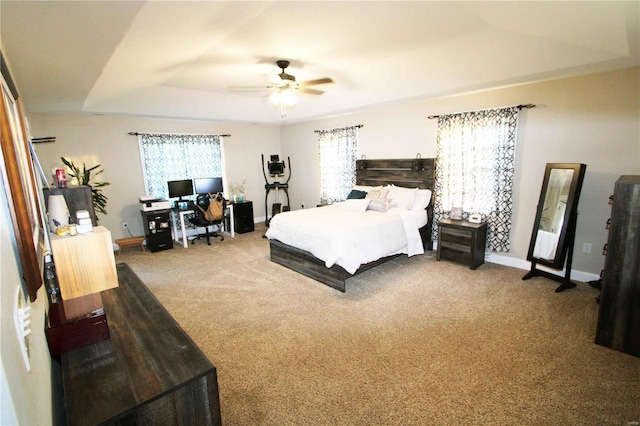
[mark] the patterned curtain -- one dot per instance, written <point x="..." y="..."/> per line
<point x="475" y="167"/>
<point x="338" y="149"/>
<point x="168" y="157"/>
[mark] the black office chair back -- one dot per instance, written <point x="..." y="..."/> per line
<point x="202" y="205"/>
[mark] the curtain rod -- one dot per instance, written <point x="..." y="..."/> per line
<point x="431" y="117"/>
<point x="345" y="127"/>
<point x="208" y="134"/>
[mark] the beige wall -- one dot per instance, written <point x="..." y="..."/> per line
<point x="25" y="397"/>
<point x="590" y="119"/>
<point x="104" y="140"/>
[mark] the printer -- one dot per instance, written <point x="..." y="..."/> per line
<point x="148" y="204"/>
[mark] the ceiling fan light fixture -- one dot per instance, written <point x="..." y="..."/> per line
<point x="288" y="98"/>
<point x="275" y="98"/>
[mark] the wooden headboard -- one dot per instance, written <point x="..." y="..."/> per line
<point x="399" y="172"/>
<point x="410" y="173"/>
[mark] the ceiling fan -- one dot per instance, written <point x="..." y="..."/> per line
<point x="288" y="83"/>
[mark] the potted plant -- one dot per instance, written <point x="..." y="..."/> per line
<point x="84" y="178"/>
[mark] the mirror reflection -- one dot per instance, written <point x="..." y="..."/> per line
<point x="553" y="213"/>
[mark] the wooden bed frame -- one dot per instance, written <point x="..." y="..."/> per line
<point x="411" y="173"/>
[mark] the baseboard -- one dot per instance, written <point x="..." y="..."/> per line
<point x="526" y="265"/>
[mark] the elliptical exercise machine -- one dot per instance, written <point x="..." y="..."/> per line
<point x="276" y="169"/>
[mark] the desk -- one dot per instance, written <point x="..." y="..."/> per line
<point x="183" y="232"/>
<point x="178" y="216"/>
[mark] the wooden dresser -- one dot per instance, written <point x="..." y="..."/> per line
<point x="149" y="372"/>
<point x="462" y="241"/>
<point x="619" y="316"/>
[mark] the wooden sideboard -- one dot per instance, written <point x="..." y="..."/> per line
<point x="149" y="372"/>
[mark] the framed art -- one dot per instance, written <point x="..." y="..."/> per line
<point x="20" y="186"/>
<point x="456" y="213"/>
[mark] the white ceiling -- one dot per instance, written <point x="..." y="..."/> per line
<point x="177" y="59"/>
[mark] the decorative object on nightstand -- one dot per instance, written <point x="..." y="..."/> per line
<point x="475" y="218"/>
<point x="456" y="213"/>
<point x="462" y="241"/>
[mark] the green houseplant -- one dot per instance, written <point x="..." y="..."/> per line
<point x="84" y="178"/>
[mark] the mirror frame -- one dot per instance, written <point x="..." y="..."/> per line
<point x="565" y="238"/>
<point x="20" y="186"/>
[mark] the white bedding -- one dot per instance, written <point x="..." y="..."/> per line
<point x="349" y="238"/>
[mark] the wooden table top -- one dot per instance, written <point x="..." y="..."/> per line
<point x="147" y="356"/>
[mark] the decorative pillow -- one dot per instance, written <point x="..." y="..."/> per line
<point x="356" y="205"/>
<point x="380" y="192"/>
<point x="356" y="195"/>
<point x="379" y="204"/>
<point x="402" y="197"/>
<point x="366" y="188"/>
<point x="422" y="200"/>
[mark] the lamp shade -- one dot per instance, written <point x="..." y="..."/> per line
<point x="58" y="211"/>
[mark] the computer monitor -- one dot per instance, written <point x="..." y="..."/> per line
<point x="208" y="185"/>
<point x="276" y="167"/>
<point x="180" y="188"/>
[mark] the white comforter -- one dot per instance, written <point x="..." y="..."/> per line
<point x="349" y="238"/>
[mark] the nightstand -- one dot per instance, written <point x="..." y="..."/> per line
<point x="462" y="241"/>
<point x="243" y="217"/>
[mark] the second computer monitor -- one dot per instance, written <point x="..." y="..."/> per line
<point x="208" y="185"/>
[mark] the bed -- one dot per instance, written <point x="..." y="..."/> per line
<point x="333" y="243"/>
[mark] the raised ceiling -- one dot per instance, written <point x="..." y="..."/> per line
<point x="177" y="59"/>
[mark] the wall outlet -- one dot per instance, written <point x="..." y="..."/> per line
<point x="586" y="247"/>
<point x="125" y="225"/>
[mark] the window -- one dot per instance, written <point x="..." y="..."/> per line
<point x="475" y="168"/>
<point x="167" y="157"/>
<point x="338" y="151"/>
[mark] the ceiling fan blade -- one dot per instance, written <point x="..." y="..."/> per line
<point x="309" y="91"/>
<point x="325" y="80"/>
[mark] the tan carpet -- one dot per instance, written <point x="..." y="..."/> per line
<point x="414" y="341"/>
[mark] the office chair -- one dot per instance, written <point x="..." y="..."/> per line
<point x="199" y="219"/>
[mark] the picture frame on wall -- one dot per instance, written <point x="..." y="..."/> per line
<point x="20" y="185"/>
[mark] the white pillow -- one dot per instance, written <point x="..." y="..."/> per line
<point x="402" y="197"/>
<point x="356" y="205"/>
<point x="422" y="200"/>
<point x="379" y="204"/>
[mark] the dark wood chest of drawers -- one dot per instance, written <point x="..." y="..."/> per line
<point x="243" y="217"/>
<point x="619" y="316"/>
<point x="462" y="241"/>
